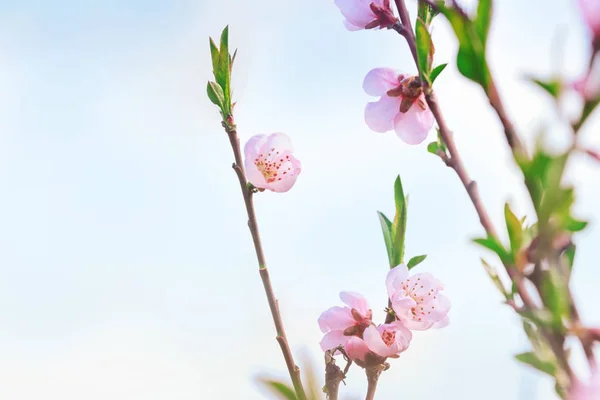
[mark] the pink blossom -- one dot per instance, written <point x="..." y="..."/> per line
<point x="387" y="340"/>
<point x="401" y="106"/>
<point x="589" y="86"/>
<point x="590" y="10"/>
<point x="586" y="391"/>
<point x="366" y="14"/>
<point x="417" y="300"/>
<point x="269" y="162"/>
<point x="339" y="324"/>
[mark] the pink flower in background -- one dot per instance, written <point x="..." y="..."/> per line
<point x="387" y="340"/>
<point x="586" y="391"/>
<point x="366" y="14"/>
<point x="401" y="106"/>
<point x="590" y="9"/>
<point x="269" y="162"/>
<point x="589" y="86"/>
<point x="417" y="300"/>
<point x="339" y="324"/>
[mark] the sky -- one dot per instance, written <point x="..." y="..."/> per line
<point x="126" y="267"/>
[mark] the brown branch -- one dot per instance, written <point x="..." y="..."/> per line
<point x="455" y="162"/>
<point x="238" y="167"/>
<point x="509" y="131"/>
<point x="373" y="374"/>
<point x="407" y="29"/>
<point x="333" y="373"/>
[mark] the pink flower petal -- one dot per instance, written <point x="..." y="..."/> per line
<point x="288" y="176"/>
<point x="373" y="339"/>
<point x="403" y="335"/>
<point x="351" y="27"/>
<point x="590" y="10"/>
<point x="253" y="146"/>
<point x="336" y="318"/>
<point x="333" y="339"/>
<point x="379" y="115"/>
<point x="395" y="277"/>
<point x="414" y="125"/>
<point x="442" y="324"/>
<point x="586" y="391"/>
<point x="356" y="348"/>
<point x="254" y="176"/>
<point x="427" y="283"/>
<point x="279" y="141"/>
<point x="357" y="12"/>
<point x="379" y="80"/>
<point x="355" y="300"/>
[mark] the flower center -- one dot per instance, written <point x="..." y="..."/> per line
<point x="389" y="337"/>
<point x="273" y="166"/>
<point x="415" y="290"/>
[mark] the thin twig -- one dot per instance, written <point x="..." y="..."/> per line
<point x="238" y="167"/>
<point x="407" y="27"/>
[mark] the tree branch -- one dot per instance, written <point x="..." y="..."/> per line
<point x="373" y="374"/>
<point x="455" y="162"/>
<point x="247" y="193"/>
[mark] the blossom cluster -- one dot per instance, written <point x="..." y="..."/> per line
<point x="416" y="304"/>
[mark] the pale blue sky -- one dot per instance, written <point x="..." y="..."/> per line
<point x="126" y="269"/>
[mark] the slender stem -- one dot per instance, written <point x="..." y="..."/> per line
<point x="293" y="369"/>
<point x="455" y="162"/>
<point x="509" y="131"/>
<point x="407" y="26"/>
<point x="372" y="379"/>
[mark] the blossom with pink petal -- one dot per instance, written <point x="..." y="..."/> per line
<point x="270" y="163"/>
<point x="387" y="340"/>
<point x="586" y="391"/>
<point x="589" y="86"/>
<point x="366" y="14"/>
<point x="416" y="300"/>
<point x="590" y="10"/>
<point x="339" y="324"/>
<point x="401" y="106"/>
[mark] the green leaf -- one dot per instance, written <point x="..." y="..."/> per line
<point x="437" y="71"/>
<point x="470" y="59"/>
<point x="555" y="295"/>
<point x="588" y="108"/>
<point x="483" y="20"/>
<point x="433" y="147"/>
<point x="281" y="389"/>
<point x="515" y="230"/>
<point x="570" y="255"/>
<point x="426" y="13"/>
<point x="399" y="224"/>
<point x="575" y="225"/>
<point x="469" y="64"/>
<point x="540" y="317"/>
<point x="215" y="94"/>
<point x="424" y="49"/>
<point x="416" y="260"/>
<point x="386" y="228"/>
<point x="552" y="87"/>
<point x="231" y="60"/>
<point x="491" y="244"/>
<point x="222" y="72"/>
<point x="491" y="271"/>
<point x="532" y="359"/>
<point x="214" y="55"/>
